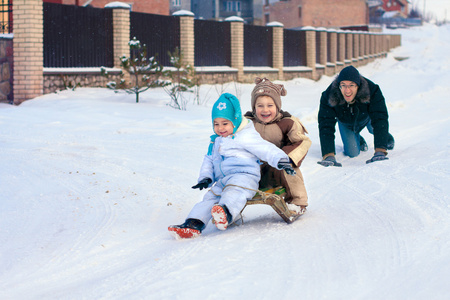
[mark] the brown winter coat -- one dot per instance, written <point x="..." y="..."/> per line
<point x="287" y="133"/>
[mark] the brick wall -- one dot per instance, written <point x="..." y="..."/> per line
<point x="319" y="13"/>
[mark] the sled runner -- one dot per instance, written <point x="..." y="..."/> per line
<point x="275" y="198"/>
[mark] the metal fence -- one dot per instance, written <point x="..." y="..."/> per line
<point x="329" y="46"/>
<point x="294" y="48"/>
<point x="212" y="43"/>
<point x="6" y="16"/>
<point x="160" y="34"/>
<point x="77" y="36"/>
<point x="257" y="46"/>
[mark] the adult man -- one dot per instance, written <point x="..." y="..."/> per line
<point x="354" y="102"/>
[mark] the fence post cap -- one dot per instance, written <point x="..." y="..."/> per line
<point x="118" y="5"/>
<point x="234" y="19"/>
<point x="331" y="30"/>
<point x="275" y="24"/>
<point x="308" y="28"/>
<point x="183" y="13"/>
<point x="321" y="29"/>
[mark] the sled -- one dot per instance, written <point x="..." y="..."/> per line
<point x="275" y="198"/>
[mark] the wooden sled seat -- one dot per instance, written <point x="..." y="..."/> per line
<point x="275" y="198"/>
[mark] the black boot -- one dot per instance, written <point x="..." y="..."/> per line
<point x="362" y="144"/>
<point x="391" y="142"/>
<point x="189" y="229"/>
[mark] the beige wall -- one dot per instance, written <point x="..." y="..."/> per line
<point x="159" y="7"/>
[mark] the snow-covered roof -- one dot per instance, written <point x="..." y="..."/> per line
<point x="374" y="3"/>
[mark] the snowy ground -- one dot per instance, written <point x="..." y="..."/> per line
<point x="90" y="181"/>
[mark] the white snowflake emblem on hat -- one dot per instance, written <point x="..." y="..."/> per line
<point x="221" y="105"/>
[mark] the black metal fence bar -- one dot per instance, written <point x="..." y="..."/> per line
<point x="294" y="48"/>
<point x="6" y="16"/>
<point x="318" y="43"/>
<point x="212" y="43"/>
<point x="257" y="46"/>
<point x="328" y="47"/>
<point x="77" y="36"/>
<point x="160" y="34"/>
<point x="338" y="48"/>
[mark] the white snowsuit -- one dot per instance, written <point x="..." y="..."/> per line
<point x="235" y="160"/>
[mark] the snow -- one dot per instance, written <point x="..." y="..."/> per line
<point x="91" y="180"/>
<point x="183" y="13"/>
<point x="118" y="5"/>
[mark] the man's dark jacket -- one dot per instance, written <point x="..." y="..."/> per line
<point x="368" y="105"/>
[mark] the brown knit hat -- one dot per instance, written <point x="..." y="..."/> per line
<point x="266" y="88"/>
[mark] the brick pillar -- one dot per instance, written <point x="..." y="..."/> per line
<point x="362" y="48"/>
<point x="333" y="45"/>
<point x="323" y="46"/>
<point x="311" y="49"/>
<point x="187" y="36"/>
<point x="372" y="45"/>
<point x="349" y="47"/>
<point x="341" y="37"/>
<point x="368" y="49"/>
<point x="28" y="49"/>
<point x="385" y="43"/>
<point x="237" y="45"/>
<point x="380" y="44"/>
<point x="121" y="31"/>
<point x="355" y="47"/>
<point x="278" y="47"/>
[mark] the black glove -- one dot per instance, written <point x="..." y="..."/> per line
<point x="286" y="165"/>
<point x="202" y="184"/>
<point x="379" y="155"/>
<point x="329" y="161"/>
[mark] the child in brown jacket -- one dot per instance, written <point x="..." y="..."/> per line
<point x="286" y="132"/>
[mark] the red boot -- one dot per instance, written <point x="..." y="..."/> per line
<point x="191" y="228"/>
<point x="221" y="216"/>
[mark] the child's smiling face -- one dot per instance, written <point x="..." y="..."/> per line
<point x="265" y="109"/>
<point x="223" y="127"/>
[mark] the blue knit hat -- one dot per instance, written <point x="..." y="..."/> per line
<point x="351" y="74"/>
<point x="227" y="107"/>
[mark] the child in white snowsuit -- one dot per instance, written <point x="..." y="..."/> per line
<point x="231" y="168"/>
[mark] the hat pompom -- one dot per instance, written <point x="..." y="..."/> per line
<point x="264" y="87"/>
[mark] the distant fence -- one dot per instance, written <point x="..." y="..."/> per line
<point x="160" y="34"/>
<point x="399" y="22"/>
<point x="98" y="37"/>
<point x="212" y="43"/>
<point x="258" y="44"/>
<point x="77" y="36"/>
<point x="294" y="48"/>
